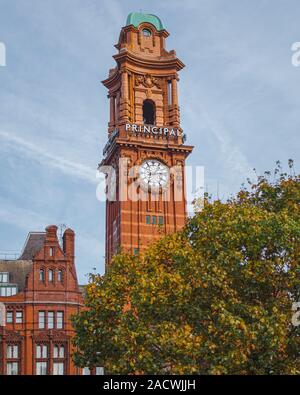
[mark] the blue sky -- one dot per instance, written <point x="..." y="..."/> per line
<point x="239" y="98"/>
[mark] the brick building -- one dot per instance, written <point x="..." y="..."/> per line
<point x="144" y="132"/>
<point x="38" y="294"/>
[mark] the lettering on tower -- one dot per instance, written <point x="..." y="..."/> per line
<point x="155" y="130"/>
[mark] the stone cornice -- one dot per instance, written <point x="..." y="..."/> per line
<point x="44" y="302"/>
<point x="162" y="64"/>
<point x="165" y="146"/>
<point x="149" y="62"/>
<point x="48" y="335"/>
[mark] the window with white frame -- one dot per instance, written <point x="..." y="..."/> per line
<point x="19" y="317"/>
<point x="12" y="359"/>
<point x="99" y="371"/>
<point x="41" y="320"/>
<point x="58" y="359"/>
<point x="50" y="319"/>
<point x="8" y="290"/>
<point x="4" y="277"/>
<point x="59" y="320"/>
<point x="41" y="356"/>
<point x="12" y="351"/>
<point x="86" y="371"/>
<point x="58" y="368"/>
<point x="41" y="368"/>
<point x="9" y="317"/>
<point x="41" y="351"/>
<point x="12" y="368"/>
<point x="58" y="351"/>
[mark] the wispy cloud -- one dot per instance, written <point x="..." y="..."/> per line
<point x="231" y="153"/>
<point x="24" y="219"/>
<point x="46" y="158"/>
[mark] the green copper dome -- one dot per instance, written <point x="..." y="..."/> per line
<point x="136" y="18"/>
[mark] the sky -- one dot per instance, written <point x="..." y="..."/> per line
<point x="239" y="97"/>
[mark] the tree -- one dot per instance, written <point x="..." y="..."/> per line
<point x="215" y="298"/>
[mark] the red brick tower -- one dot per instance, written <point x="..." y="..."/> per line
<point x="144" y="131"/>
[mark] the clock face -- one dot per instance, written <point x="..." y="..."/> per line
<point x="154" y="174"/>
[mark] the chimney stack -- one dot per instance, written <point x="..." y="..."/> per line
<point x="69" y="243"/>
<point x="51" y="234"/>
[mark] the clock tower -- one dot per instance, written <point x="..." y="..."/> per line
<point x="144" y="158"/>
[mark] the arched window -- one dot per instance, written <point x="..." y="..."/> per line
<point x="50" y="275"/>
<point x="41" y="351"/>
<point x="149" y="112"/>
<point x="41" y="360"/>
<point x="42" y="275"/>
<point x="59" y="276"/>
<point x="58" y="351"/>
<point x="146" y="32"/>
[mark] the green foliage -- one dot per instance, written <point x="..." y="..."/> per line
<point x="215" y="298"/>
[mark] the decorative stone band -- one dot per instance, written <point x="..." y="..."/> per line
<point x="42" y="302"/>
<point x="155" y="130"/>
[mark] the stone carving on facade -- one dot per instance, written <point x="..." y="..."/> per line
<point x="147" y="81"/>
<point x="13" y="337"/>
<point x="48" y="335"/>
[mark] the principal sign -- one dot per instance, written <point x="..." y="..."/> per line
<point x="144" y="129"/>
<point x="155" y="130"/>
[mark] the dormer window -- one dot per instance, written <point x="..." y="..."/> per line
<point x="51" y="251"/>
<point x="146" y="32"/>
<point x="4" y="277"/>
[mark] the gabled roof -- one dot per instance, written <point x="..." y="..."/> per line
<point x="33" y="244"/>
